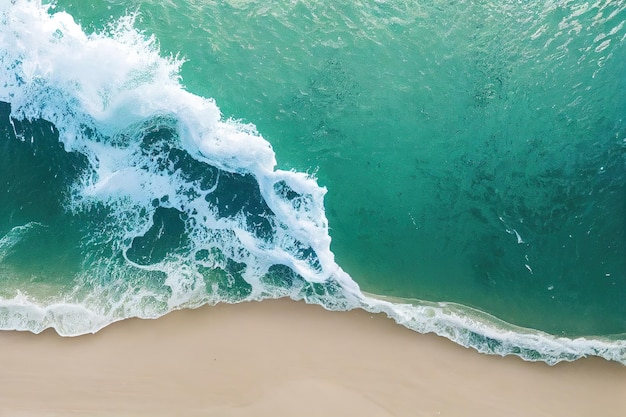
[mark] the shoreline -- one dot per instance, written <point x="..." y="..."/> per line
<point x="286" y="358"/>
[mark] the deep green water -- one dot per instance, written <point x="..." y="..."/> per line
<point x="473" y="151"/>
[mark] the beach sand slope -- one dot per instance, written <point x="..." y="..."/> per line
<point x="283" y="358"/>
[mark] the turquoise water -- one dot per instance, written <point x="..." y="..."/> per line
<point x="460" y="166"/>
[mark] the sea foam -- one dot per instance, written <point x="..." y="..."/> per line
<point x="106" y="93"/>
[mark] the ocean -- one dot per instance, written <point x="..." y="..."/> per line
<point x="459" y="166"/>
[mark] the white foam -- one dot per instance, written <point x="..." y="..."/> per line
<point x="487" y="334"/>
<point x="111" y="83"/>
<point x="114" y="83"/>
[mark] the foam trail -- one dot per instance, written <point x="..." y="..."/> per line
<point x="161" y="157"/>
<point x="14" y="236"/>
<point x="487" y="334"/>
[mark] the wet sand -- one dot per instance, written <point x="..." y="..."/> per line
<point x="282" y="358"/>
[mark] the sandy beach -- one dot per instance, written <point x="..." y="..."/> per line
<point x="282" y="358"/>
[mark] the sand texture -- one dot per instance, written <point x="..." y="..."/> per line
<point x="282" y="358"/>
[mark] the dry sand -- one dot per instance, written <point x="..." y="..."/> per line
<point x="281" y="358"/>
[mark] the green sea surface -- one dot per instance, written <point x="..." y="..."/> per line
<point x="474" y="152"/>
